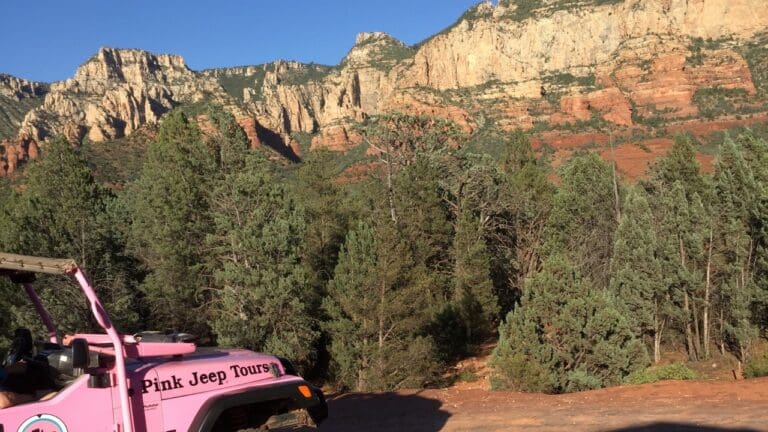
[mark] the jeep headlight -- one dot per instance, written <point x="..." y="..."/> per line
<point x="274" y="369"/>
<point x="288" y="367"/>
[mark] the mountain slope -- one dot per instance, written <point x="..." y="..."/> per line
<point x="17" y="98"/>
<point x="554" y="67"/>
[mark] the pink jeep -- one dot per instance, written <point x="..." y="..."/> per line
<point x="117" y="383"/>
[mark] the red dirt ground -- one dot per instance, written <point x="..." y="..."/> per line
<point x="668" y="406"/>
<point x="713" y="405"/>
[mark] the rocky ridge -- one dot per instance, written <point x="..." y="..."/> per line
<point x="629" y="64"/>
<point x="17" y="98"/>
<point x="114" y="93"/>
<point x="17" y="88"/>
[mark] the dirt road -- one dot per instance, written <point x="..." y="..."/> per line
<point x="668" y="406"/>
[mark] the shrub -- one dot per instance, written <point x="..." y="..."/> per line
<point x="756" y="54"/>
<point x="448" y="332"/>
<point x="530" y="8"/>
<point x="234" y="84"/>
<point x="581" y="380"/>
<point x="567" y="79"/>
<point x="757" y="367"/>
<point x="304" y="75"/>
<point x="674" y="371"/>
<point x="717" y="101"/>
<point x="696" y="47"/>
<point x="467" y="376"/>
<point x="525" y="9"/>
<point x="389" y="55"/>
<point x="565" y="336"/>
<point x="521" y="373"/>
<point x="12" y="113"/>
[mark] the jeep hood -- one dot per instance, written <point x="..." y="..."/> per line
<point x="207" y="369"/>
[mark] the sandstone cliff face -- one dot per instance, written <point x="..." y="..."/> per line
<point x="636" y="53"/>
<point x="624" y="64"/>
<point x="17" y="98"/>
<point x="14" y="152"/>
<point x="656" y="75"/>
<point x="494" y="46"/>
<point x="114" y="93"/>
<point x="17" y="88"/>
<point x="302" y="98"/>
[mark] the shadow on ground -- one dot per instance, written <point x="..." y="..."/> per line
<point x="678" y="427"/>
<point x="383" y="412"/>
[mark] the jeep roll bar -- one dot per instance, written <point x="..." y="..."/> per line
<point x="19" y="268"/>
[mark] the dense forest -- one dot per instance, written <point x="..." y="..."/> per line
<point x="378" y="281"/>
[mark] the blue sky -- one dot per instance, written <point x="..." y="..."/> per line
<point x="46" y="40"/>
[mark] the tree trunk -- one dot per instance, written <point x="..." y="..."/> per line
<point x="687" y="309"/>
<point x="83" y="262"/>
<point x="361" y="384"/>
<point x="696" y="329"/>
<point x="617" y="199"/>
<point x="722" y="333"/>
<point x="390" y="187"/>
<point x="380" y="357"/>
<point x="658" y="328"/>
<point x="688" y="331"/>
<point x="707" y="288"/>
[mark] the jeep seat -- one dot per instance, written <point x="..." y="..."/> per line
<point x="21" y="347"/>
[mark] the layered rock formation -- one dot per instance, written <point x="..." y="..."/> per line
<point x="17" y="98"/>
<point x="564" y="64"/>
<point x="495" y="46"/>
<point x="14" y="152"/>
<point x="17" y="88"/>
<point x="114" y="93"/>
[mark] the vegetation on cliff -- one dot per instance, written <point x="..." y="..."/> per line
<point x="12" y="113"/>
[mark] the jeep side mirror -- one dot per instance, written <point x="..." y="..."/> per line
<point x="81" y="357"/>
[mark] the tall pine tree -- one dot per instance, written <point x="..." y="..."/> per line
<point x="473" y="293"/>
<point x="636" y="277"/>
<point x="583" y="217"/>
<point x="169" y="223"/>
<point x="735" y="194"/>
<point x="261" y="296"/>
<point x="377" y="314"/>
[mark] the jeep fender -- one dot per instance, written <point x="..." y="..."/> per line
<point x="210" y="412"/>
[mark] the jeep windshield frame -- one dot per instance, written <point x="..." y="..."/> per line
<point x="20" y="269"/>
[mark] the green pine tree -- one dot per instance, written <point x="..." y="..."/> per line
<point x="684" y="216"/>
<point x="683" y="236"/>
<point x="680" y="165"/>
<point x="584" y="217"/>
<point x="324" y="201"/>
<point x="529" y="206"/>
<point x="636" y="277"/>
<point x="169" y="222"/>
<point x="425" y="225"/>
<point x="736" y="192"/>
<point x="473" y="288"/>
<point x="227" y="141"/>
<point x="377" y="315"/>
<point x="260" y="298"/>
